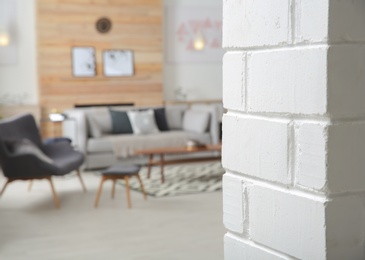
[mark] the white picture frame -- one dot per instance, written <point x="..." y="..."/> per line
<point x="83" y="62"/>
<point x="118" y="63"/>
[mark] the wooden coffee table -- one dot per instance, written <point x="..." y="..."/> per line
<point x="161" y="152"/>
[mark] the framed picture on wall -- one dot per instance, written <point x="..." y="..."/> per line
<point x="83" y="62"/>
<point x="118" y="63"/>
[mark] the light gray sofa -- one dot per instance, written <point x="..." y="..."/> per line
<point x="102" y="148"/>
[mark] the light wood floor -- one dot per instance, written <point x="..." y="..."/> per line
<point x="181" y="227"/>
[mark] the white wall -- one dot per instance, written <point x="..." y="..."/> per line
<point x="18" y="82"/>
<point x="293" y="135"/>
<point x="200" y="81"/>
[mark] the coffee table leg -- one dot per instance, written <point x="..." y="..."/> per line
<point x="162" y="163"/>
<point x="150" y="157"/>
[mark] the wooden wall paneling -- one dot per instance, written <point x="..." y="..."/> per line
<point x="62" y="24"/>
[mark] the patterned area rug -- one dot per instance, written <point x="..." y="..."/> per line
<point x="181" y="179"/>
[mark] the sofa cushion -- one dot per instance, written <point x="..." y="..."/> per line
<point x="160" y="117"/>
<point x="120" y="122"/>
<point x="143" y="122"/>
<point x="196" y="121"/>
<point x="25" y="146"/>
<point x="102" y="144"/>
<point x="132" y="142"/>
<point x="125" y="146"/>
<point x="203" y="138"/>
<point x="174" y="116"/>
<point x="99" y="121"/>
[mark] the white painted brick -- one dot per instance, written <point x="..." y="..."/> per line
<point x="288" y="81"/>
<point x="345" y="228"/>
<point x="233" y="208"/>
<point x="311" y="155"/>
<point x="347" y="20"/>
<point x="346" y="79"/>
<point x="338" y="21"/>
<point x="287" y="223"/>
<point x="331" y="157"/>
<point x="234" y="67"/>
<point x="256" y="23"/>
<point x="256" y="147"/>
<point x="237" y="249"/>
<point x="326" y="80"/>
<point x="311" y="20"/>
<point x="346" y="157"/>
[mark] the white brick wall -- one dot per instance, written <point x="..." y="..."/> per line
<point x="346" y="80"/>
<point x="249" y="23"/>
<point x="288" y="223"/>
<point x="294" y="132"/>
<point x="256" y="147"/>
<point x="345" y="237"/>
<point x="331" y="157"/>
<point x="234" y="80"/>
<point x="311" y="155"/>
<point x="311" y="21"/>
<point x="287" y="81"/>
<point x="233" y="206"/>
<point x="346" y="157"/>
<point x="238" y="249"/>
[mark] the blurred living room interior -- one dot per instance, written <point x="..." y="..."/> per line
<point x="113" y="144"/>
<point x="79" y="66"/>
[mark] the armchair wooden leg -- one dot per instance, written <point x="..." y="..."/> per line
<point x="81" y="180"/>
<point x="113" y="188"/>
<point x="4" y="187"/>
<point x="99" y="191"/>
<point x="55" y="198"/>
<point x="30" y="185"/>
<point x="142" y="188"/>
<point x="126" y="179"/>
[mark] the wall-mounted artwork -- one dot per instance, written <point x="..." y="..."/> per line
<point x="194" y="34"/>
<point x="8" y="50"/>
<point x="83" y="62"/>
<point x="118" y="63"/>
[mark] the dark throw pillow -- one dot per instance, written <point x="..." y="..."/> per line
<point x="120" y="122"/>
<point x="160" y="118"/>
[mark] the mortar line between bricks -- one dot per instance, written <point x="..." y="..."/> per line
<point x="246" y="81"/>
<point x="285" y="188"/>
<point x="282" y="116"/>
<point x="293" y="20"/>
<point x="292" y="143"/>
<point x="271" y="116"/>
<point x="263" y="247"/>
<point x="295" y="190"/>
<point x="289" y="46"/>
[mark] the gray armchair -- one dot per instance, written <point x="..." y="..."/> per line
<point x="23" y="156"/>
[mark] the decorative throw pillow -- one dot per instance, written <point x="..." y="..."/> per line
<point x="196" y="121"/>
<point x="174" y="117"/>
<point x="25" y="146"/>
<point x="143" y="122"/>
<point x="160" y="117"/>
<point x="120" y="122"/>
<point x="99" y="122"/>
